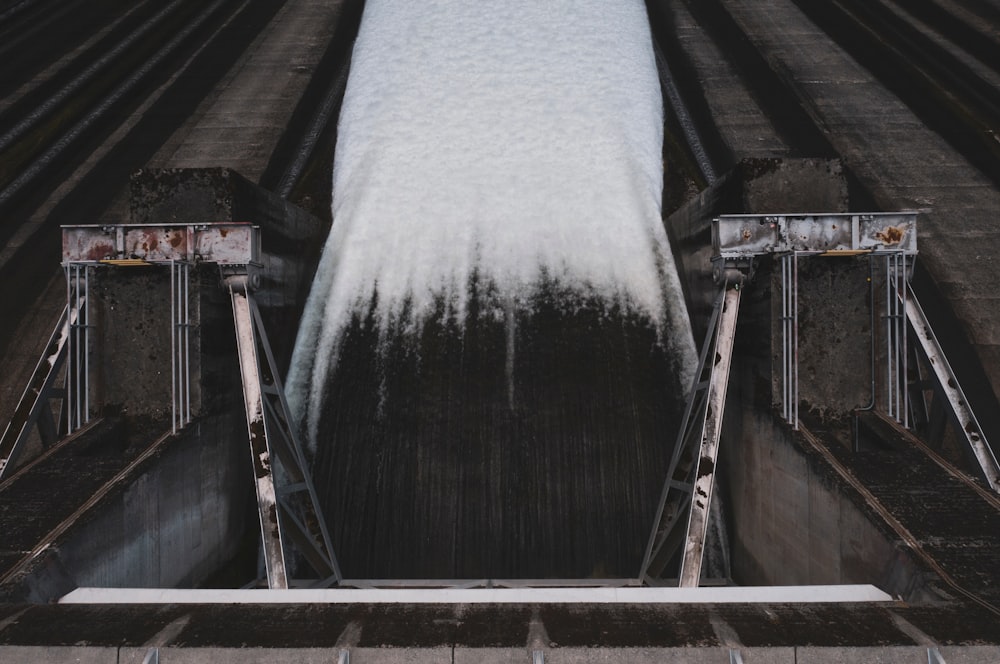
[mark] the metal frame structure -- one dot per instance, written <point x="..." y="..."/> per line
<point x="34" y="407"/>
<point x="289" y="511"/>
<point x="180" y="344"/>
<point x="738" y="241"/>
<point x="892" y="237"/>
<point x="690" y="479"/>
<point x="286" y="497"/>
<point x="77" y="346"/>
<point x="949" y="387"/>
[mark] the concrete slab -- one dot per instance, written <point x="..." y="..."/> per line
<point x="58" y="655"/>
<point x="868" y="655"/>
<point x="441" y="655"/>
<point x="256" y="100"/>
<point x="969" y="654"/>
<point x="232" y="655"/>
<point x="741" y="123"/>
<point x="689" y="655"/>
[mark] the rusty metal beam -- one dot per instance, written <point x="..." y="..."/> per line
<point x="35" y="399"/>
<point x="290" y="517"/>
<point x="704" y="484"/>
<point x="952" y="390"/>
<point x="136" y="244"/>
<point x="260" y="449"/>
<point x="680" y="486"/>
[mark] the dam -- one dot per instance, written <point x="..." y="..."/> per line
<point x="508" y="434"/>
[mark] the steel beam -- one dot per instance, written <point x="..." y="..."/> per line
<point x="31" y="409"/>
<point x="952" y="391"/>
<point x="681" y="486"/>
<point x="260" y="450"/>
<point x="694" y="543"/>
<point x="286" y="498"/>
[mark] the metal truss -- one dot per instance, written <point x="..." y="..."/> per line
<point x="290" y="517"/>
<point x="286" y="498"/>
<point x="35" y="408"/>
<point x="690" y="481"/>
<point x="948" y="387"/>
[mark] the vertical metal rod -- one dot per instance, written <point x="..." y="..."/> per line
<point x="68" y="271"/>
<point x="187" y="343"/>
<point x="897" y="341"/>
<point x="787" y="287"/>
<point x="795" y="339"/>
<point x="86" y="345"/>
<point x="901" y="290"/>
<point x="784" y="337"/>
<point x="173" y="348"/>
<point x="76" y="354"/>
<point x="889" y="339"/>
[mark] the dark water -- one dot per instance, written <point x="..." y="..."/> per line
<point x="441" y="456"/>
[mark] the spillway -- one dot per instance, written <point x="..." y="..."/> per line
<point x="492" y="355"/>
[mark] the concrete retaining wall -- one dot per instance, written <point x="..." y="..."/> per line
<point x="692" y="655"/>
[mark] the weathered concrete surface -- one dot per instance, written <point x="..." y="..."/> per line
<point x="734" y="111"/>
<point x="174" y="521"/>
<point x="492" y="629"/>
<point x="239" y="125"/>
<point x="902" y="163"/>
<point x="688" y="655"/>
<point x="291" y="238"/>
<point x="835" y="335"/>
<point x="82" y="654"/>
<point x="754" y="185"/>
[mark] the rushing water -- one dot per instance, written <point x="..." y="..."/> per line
<point x="497" y="180"/>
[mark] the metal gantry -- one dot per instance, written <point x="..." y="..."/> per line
<point x="290" y="518"/>
<point x="738" y="242"/>
<point x="887" y="238"/>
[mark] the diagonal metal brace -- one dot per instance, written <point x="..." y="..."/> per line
<point x="704" y="484"/>
<point x="290" y="518"/>
<point x="33" y="407"/>
<point x="686" y="474"/>
<point x="947" y="381"/>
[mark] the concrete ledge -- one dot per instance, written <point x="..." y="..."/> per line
<point x="58" y="655"/>
<point x="447" y="655"/>
<point x="235" y="655"/>
<point x="740" y="595"/>
<point x="891" y="655"/>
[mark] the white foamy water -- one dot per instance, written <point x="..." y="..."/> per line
<point x="507" y="140"/>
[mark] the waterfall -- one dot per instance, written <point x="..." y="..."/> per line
<point x="497" y="186"/>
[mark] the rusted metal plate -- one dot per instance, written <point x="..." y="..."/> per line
<point x="223" y="243"/>
<point x="747" y="235"/>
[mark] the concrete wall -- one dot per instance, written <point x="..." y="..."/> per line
<point x="291" y="238"/>
<point x="178" y="519"/>
<point x="689" y="655"/>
